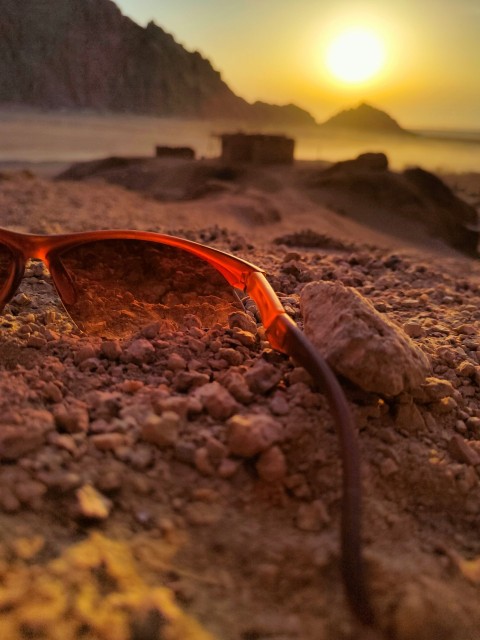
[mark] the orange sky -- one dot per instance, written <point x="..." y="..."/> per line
<point x="275" y="50"/>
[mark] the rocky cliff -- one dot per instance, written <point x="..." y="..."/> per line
<point x="85" y="54"/>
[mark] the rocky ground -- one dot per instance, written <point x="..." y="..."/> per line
<point x="132" y="502"/>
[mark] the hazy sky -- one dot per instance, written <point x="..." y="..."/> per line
<point x="275" y="50"/>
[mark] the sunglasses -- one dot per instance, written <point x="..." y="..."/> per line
<point x="112" y="283"/>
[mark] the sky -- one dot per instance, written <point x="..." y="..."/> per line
<point x="277" y="51"/>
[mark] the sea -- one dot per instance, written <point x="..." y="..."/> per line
<point x="36" y="138"/>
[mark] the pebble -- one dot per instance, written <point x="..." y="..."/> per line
<point x="263" y="377"/>
<point x="186" y="380"/>
<point x="216" y="400"/>
<point x="36" y="342"/>
<point x="312" y="516"/>
<point x="108" y="441"/>
<point x="162" y="431"/>
<point x="202" y="514"/>
<point x="413" y="329"/>
<point x="279" y="405"/>
<point x="111" y="349"/>
<point x="271" y="465"/>
<point x="175" y="362"/>
<point x="409" y="418"/>
<point x="434" y="389"/>
<point x="140" y="351"/>
<point x="72" y="418"/>
<point x="19" y="439"/>
<point x="236" y="384"/>
<point x="242" y="321"/>
<point x="466" y="369"/>
<point x="52" y="392"/>
<point x="228" y="468"/>
<point x="84" y="353"/>
<point x="245" y="338"/>
<point x="202" y="461"/>
<point x="92" y="504"/>
<point x="388" y="468"/>
<point x="253" y="433"/>
<point x="461" y="451"/>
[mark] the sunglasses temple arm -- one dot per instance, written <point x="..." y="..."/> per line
<point x="297" y="346"/>
<point x="284" y="335"/>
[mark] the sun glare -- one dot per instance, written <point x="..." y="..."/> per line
<point x="355" y="55"/>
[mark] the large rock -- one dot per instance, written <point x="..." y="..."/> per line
<point x="360" y="343"/>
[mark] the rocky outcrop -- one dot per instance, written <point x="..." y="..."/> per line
<point x="365" y="118"/>
<point x="85" y="54"/>
<point x="366" y="184"/>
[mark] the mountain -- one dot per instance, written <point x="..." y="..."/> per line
<point x="84" y="54"/>
<point x="365" y="118"/>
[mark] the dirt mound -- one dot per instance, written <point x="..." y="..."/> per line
<point x="365" y="189"/>
<point x="164" y="179"/>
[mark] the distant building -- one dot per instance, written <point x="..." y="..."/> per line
<point x="257" y="148"/>
<point x="175" y="152"/>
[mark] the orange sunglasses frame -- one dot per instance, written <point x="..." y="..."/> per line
<point x="283" y="335"/>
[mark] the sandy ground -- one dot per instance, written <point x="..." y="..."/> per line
<point x="125" y="513"/>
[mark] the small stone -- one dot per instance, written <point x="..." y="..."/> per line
<point x="84" y="353"/>
<point x="409" y="418"/>
<point x="466" y="369"/>
<point x="434" y="389"/>
<point x="414" y="329"/>
<point x="312" y="516"/>
<point x="232" y="356"/>
<point x="21" y="300"/>
<point x="236" y="384"/>
<point x="72" y="419"/>
<point x="175" y="362"/>
<point x="108" y="441"/>
<point x="461" y="451"/>
<point x="140" y="351"/>
<point x="187" y="380"/>
<point x="29" y="491"/>
<point x="360" y="343"/>
<point x="253" y="433"/>
<point x="52" y="392"/>
<point x="271" y="465"/>
<point x="162" y="431"/>
<point x="92" y="504"/>
<point x="19" y="439"/>
<point x="202" y="514"/>
<point x="151" y="330"/>
<point x="36" y="342"/>
<point x="388" y="468"/>
<point x="445" y="405"/>
<point x="111" y="349"/>
<point x="466" y="329"/>
<point x="202" y="462"/>
<point x="228" y="468"/>
<point x="242" y="321"/>
<point x="245" y="338"/>
<point x="216" y="400"/>
<point x="263" y="377"/>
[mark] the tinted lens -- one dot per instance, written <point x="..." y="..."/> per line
<point x="7" y="262"/>
<point x="113" y="288"/>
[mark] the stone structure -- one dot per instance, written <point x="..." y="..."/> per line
<point x="257" y="148"/>
<point x="186" y="153"/>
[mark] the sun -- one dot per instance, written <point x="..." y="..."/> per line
<point x="356" y="55"/>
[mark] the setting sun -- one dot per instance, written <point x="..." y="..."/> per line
<point x="355" y="55"/>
